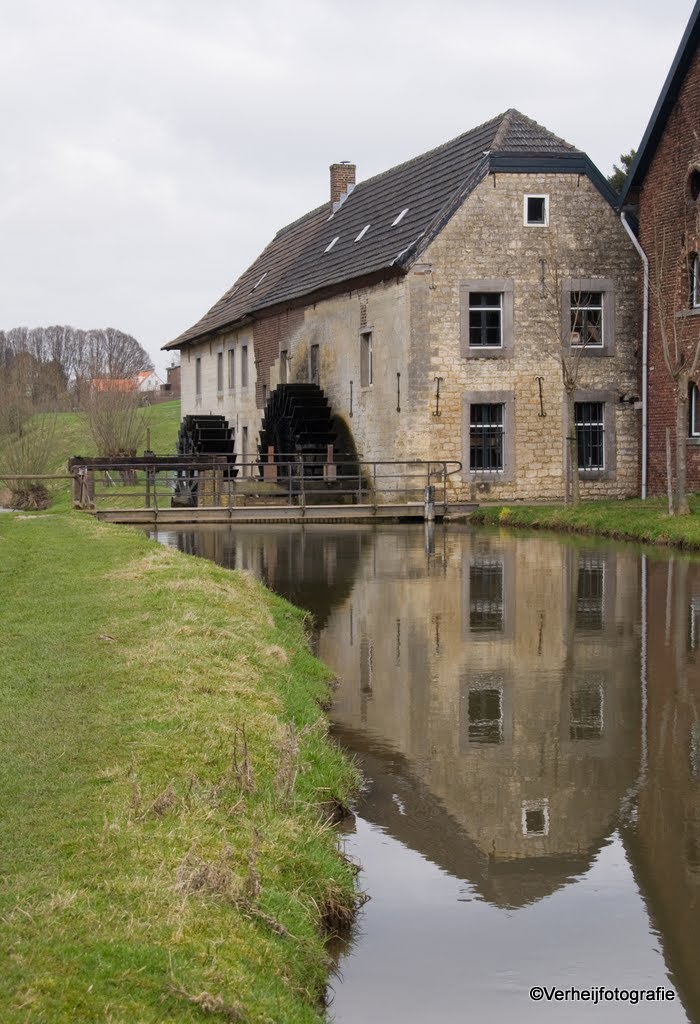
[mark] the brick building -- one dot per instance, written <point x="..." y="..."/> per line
<point x="433" y="304"/>
<point x="662" y="191"/>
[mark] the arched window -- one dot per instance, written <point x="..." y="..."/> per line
<point x="693" y="411"/>
<point x="694" y="280"/>
<point x="694" y="184"/>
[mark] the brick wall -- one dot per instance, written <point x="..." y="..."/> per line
<point x="271" y="335"/>
<point x="669" y="217"/>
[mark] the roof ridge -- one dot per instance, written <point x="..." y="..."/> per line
<point x="512" y="115"/>
<point x="300" y="220"/>
<point x="507" y="120"/>
<point x="428" y="152"/>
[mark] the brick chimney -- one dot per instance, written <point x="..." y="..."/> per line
<point x="342" y="182"/>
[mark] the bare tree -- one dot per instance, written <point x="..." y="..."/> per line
<point x="116" y="421"/>
<point x="29" y="453"/>
<point x="670" y="286"/>
<point x="568" y="341"/>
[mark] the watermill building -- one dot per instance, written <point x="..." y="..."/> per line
<point x="433" y="305"/>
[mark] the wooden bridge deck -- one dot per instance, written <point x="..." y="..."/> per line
<point x="391" y="512"/>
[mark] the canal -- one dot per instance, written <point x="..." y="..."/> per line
<point x="526" y="714"/>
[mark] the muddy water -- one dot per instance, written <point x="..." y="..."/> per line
<point x="526" y="712"/>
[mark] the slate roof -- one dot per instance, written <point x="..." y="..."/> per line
<point x="429" y="187"/>
<point x="664" y="105"/>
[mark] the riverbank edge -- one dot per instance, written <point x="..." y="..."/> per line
<point x="169" y="821"/>
<point x="645" y="522"/>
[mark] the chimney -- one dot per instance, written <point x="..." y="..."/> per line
<point x="342" y="182"/>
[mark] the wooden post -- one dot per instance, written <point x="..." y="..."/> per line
<point x="270" y="467"/>
<point x="329" y="469"/>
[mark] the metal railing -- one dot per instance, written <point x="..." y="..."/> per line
<point x="158" y="483"/>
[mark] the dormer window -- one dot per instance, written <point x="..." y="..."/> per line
<point x="536" y="211"/>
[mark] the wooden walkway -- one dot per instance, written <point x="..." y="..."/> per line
<point x="153" y="489"/>
<point x="411" y="511"/>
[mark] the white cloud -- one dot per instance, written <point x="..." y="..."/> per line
<point x="152" y="147"/>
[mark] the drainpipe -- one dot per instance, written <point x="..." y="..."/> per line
<point x="645" y="348"/>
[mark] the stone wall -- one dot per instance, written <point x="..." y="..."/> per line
<point x="488" y="240"/>
<point x="418" y="326"/>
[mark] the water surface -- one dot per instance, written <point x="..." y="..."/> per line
<point x="526" y="714"/>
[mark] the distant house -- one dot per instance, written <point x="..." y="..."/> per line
<point x="663" y="191"/>
<point x="101" y="384"/>
<point x="432" y="304"/>
<point x="148" y="380"/>
<point x="144" y="381"/>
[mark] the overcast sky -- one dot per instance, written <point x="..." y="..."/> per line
<point x="151" y="148"/>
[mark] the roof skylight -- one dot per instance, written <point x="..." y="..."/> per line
<point x="259" y="281"/>
<point x="331" y="244"/>
<point x="400" y="217"/>
<point x="363" y="232"/>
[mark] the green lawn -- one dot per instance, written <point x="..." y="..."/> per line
<point x="72" y="437"/>
<point x="646" y="521"/>
<point x="162" y="856"/>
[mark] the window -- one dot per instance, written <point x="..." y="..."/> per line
<point x="231" y="368"/>
<point x="694" y="282"/>
<point x="198" y="377"/>
<point x="283" y="366"/>
<point x="586" y="712"/>
<point x="485" y="714"/>
<point x="535" y="817"/>
<point x="486" y="595"/>
<point x="586" y="319"/>
<point x="244" y="366"/>
<point x="314" y="375"/>
<point x="693" y="411"/>
<point x="486" y="449"/>
<point x="489" y="436"/>
<point x="485" y="318"/>
<point x="219" y="371"/>
<point x="536" y="211"/>
<point x="590" y="593"/>
<point x="588" y="315"/>
<point x="366" y="364"/>
<point x="590" y="435"/>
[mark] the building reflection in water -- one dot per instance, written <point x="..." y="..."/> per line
<point x="513" y="702"/>
<point x="506" y="676"/>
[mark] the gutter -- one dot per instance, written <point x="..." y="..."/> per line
<point x="645" y="348"/>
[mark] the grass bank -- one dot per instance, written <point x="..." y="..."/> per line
<point x="645" y="521"/>
<point x="163" y="785"/>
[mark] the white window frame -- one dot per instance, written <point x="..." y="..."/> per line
<point x="220" y="372"/>
<point x="535" y="805"/>
<point x="694" y="281"/>
<point x="693" y="410"/>
<point x="536" y="223"/>
<point x="231" y="367"/>
<point x="600" y="423"/>
<point x="486" y="309"/>
<point x="198" y="377"/>
<point x="580" y="306"/>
